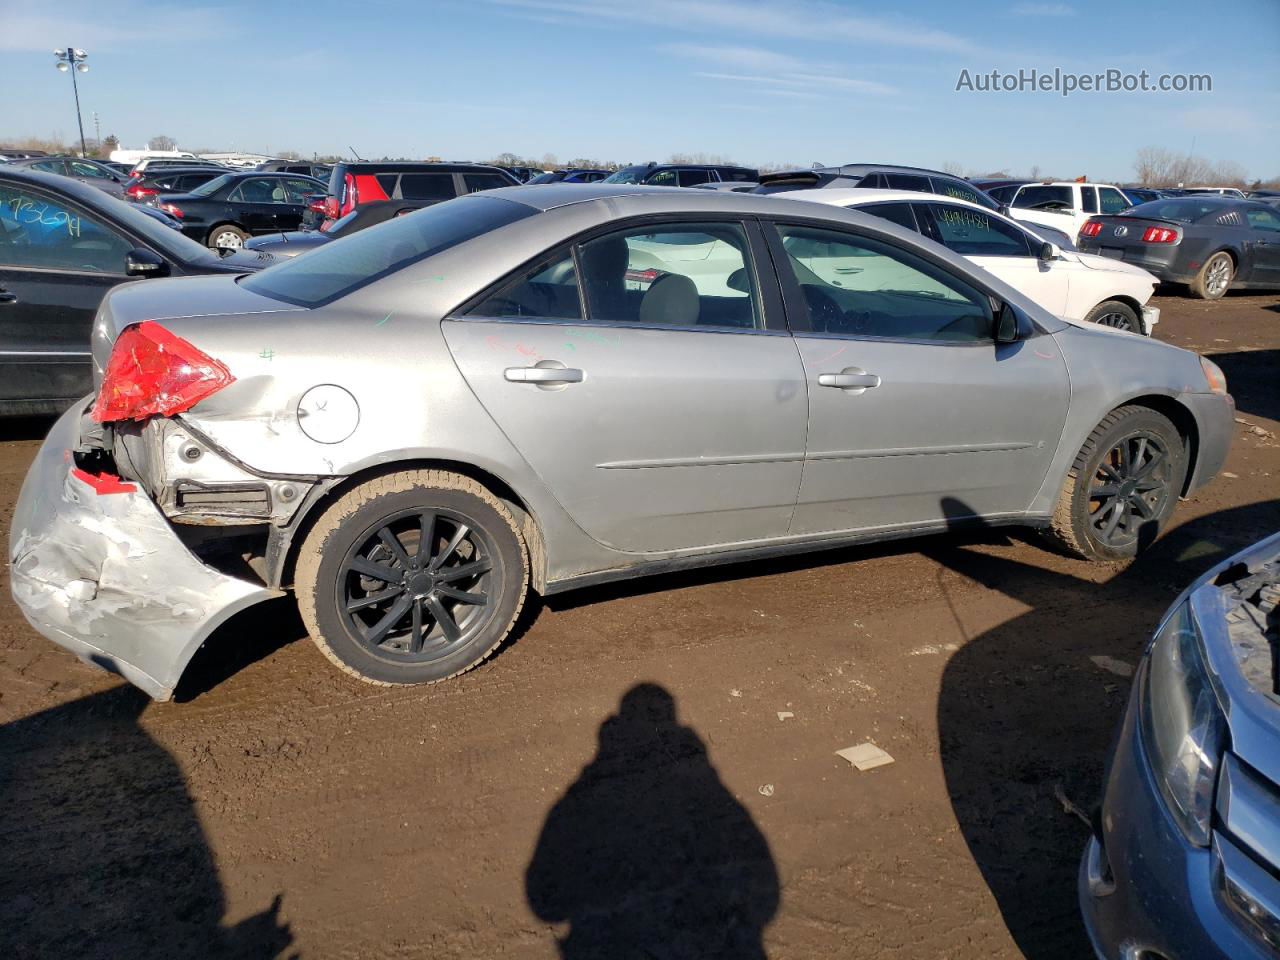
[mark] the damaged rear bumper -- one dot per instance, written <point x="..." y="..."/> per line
<point x="97" y="569"/>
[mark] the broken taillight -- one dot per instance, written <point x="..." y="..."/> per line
<point x="153" y="372"/>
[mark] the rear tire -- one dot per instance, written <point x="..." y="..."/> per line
<point x="227" y="235"/>
<point x="1122" y="489"/>
<point x="1117" y="315"/>
<point x="1215" y="276"/>
<point x="412" y="578"/>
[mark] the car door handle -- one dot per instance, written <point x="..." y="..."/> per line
<point x="7" y="297"/>
<point x="847" y="380"/>
<point x="543" y="375"/>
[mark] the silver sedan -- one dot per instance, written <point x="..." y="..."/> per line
<point x="541" y="388"/>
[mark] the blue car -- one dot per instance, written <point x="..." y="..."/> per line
<point x="574" y="175"/>
<point x="1185" y="858"/>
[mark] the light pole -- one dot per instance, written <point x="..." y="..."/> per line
<point x="72" y="60"/>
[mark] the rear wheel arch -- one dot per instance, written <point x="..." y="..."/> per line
<point x="530" y="528"/>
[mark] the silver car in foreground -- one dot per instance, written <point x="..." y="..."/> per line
<point x="541" y="388"/>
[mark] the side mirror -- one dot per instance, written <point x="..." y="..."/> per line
<point x="141" y="262"/>
<point x="1004" y="210"/>
<point x="1007" y="324"/>
<point x="1047" y="252"/>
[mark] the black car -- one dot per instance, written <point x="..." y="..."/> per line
<point x="146" y="186"/>
<point x="92" y="172"/>
<point x="228" y="210"/>
<point x="572" y="175"/>
<point x="523" y="174"/>
<point x="62" y="246"/>
<point x="282" y="246"/>
<point x="1211" y="243"/>
<point x="367" y="181"/>
<point x="873" y="176"/>
<point x="1001" y="191"/>
<point x="681" y="174"/>
<point x="307" y="168"/>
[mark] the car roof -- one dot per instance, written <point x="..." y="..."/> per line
<point x="644" y="199"/>
<point x="842" y="196"/>
<point x="411" y="166"/>
<point x="83" y="192"/>
<point x="1067" y="183"/>
<point x="170" y="171"/>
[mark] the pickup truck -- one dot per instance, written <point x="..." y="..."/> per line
<point x="1066" y="206"/>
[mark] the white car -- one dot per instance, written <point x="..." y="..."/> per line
<point x="1079" y="287"/>
<point x="1066" y="206"/>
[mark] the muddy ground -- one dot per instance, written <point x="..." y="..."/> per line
<point x="626" y="747"/>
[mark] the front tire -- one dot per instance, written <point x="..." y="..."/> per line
<point x="412" y="578"/>
<point x="1215" y="276"/>
<point x="1123" y="487"/>
<point x="1115" y="314"/>
<point x="227" y="235"/>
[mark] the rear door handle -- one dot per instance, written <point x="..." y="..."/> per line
<point x="543" y="375"/>
<point x="7" y="297"/>
<point x="846" y="381"/>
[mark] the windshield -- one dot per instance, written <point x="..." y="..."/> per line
<point x="339" y="268"/>
<point x="547" y="178"/>
<point x="212" y="187"/>
<point x="628" y="175"/>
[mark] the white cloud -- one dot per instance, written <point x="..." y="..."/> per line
<point x="119" y="27"/>
<point x="752" y="58"/>
<point x="812" y="20"/>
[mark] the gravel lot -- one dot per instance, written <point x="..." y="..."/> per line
<point x="627" y="745"/>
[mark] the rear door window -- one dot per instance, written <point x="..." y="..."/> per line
<point x="907" y="181"/>
<point x="427" y="186"/>
<point x="549" y="291"/>
<point x="663" y="178"/>
<point x="1088" y="200"/>
<point x="691" y="178"/>
<point x="899" y="213"/>
<point x="685" y="275"/>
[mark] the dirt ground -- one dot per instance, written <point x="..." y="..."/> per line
<point x="627" y="749"/>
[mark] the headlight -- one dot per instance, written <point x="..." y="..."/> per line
<point x="1214" y="376"/>
<point x="1184" y="727"/>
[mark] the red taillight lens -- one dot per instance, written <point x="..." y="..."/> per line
<point x="1159" y="235"/>
<point x="318" y="204"/>
<point x="153" y="372"/>
<point x="138" y="191"/>
<point x="642" y="276"/>
<point x="172" y="209"/>
<point x="332" y="207"/>
<point x="1091" y="228"/>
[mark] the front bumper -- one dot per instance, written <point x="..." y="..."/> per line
<point x="1215" y="416"/>
<point x="98" y="570"/>
<point x="1142" y="886"/>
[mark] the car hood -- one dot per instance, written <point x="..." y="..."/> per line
<point x="203" y="297"/>
<point x="1108" y="265"/>
<point x="1236" y="651"/>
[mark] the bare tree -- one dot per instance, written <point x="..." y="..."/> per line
<point x="953" y="167"/>
<point x="1035" y="171"/>
<point x="162" y="143"/>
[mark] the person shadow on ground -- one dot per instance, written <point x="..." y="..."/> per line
<point x="102" y="854"/>
<point x="647" y="854"/>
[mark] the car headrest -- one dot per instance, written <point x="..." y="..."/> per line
<point x="671" y="300"/>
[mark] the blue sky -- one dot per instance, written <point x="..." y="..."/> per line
<point x="802" y="81"/>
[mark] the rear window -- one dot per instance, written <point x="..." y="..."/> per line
<point x="1185" y="210"/>
<point x="962" y="191"/>
<point x="339" y="268"/>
